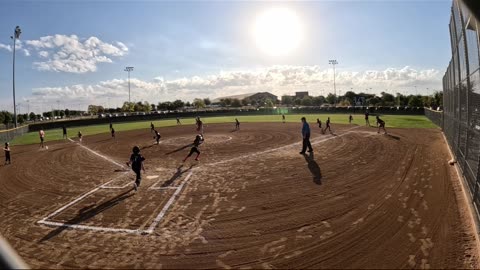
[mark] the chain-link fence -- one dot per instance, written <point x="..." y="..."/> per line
<point x="435" y="116"/>
<point x="10" y="134"/>
<point x="461" y="96"/>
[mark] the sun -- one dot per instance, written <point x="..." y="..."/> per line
<point x="277" y="31"/>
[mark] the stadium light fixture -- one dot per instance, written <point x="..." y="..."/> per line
<point x="128" y="69"/>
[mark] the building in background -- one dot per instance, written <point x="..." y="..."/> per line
<point x="461" y="94"/>
<point x="301" y="95"/>
<point x="258" y="98"/>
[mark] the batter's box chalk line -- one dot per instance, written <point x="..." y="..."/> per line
<point x="150" y="229"/>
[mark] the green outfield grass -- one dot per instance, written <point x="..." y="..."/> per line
<point x="396" y="121"/>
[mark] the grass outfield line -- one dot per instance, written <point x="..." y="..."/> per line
<point x="396" y="121"/>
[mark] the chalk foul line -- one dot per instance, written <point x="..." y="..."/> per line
<point x="98" y="154"/>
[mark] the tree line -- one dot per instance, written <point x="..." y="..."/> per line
<point x="362" y="99"/>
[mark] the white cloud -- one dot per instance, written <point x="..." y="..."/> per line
<point x="64" y="53"/>
<point x="18" y="46"/>
<point x="278" y="80"/>
<point x="43" y="54"/>
<point x="6" y="47"/>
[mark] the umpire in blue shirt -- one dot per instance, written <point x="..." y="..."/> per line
<point x="306" y="137"/>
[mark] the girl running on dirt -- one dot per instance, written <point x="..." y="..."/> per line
<point x="196" y="144"/>
<point x="319" y="123"/>
<point x="327" y="126"/>
<point x="80" y="136"/>
<point x="136" y="160"/>
<point x="350" y="119"/>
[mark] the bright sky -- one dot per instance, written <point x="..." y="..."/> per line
<point x="75" y="52"/>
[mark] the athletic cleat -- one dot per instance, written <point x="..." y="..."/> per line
<point x="302" y="153"/>
<point x="135" y="186"/>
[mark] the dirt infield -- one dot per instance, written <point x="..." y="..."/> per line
<point x="362" y="200"/>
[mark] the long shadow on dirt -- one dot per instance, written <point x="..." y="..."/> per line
<point x="177" y="174"/>
<point x="393" y="137"/>
<point x="314" y="168"/>
<point x="85" y="214"/>
<point x="179" y="149"/>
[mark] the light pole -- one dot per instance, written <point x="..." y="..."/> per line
<point x="333" y="63"/>
<point x="128" y="69"/>
<point x="28" y="109"/>
<point x="16" y="35"/>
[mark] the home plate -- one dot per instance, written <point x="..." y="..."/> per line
<point x="152" y="176"/>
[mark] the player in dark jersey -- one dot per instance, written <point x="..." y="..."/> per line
<point x="283" y="118"/>
<point x="7" y="153"/>
<point x="64" y="129"/>
<point x="237" y="124"/>
<point x="157" y="136"/>
<point x="319" y="122"/>
<point x="381" y="125"/>
<point x="327" y="126"/>
<point x="350" y="119"/>
<point x="80" y="136"/>
<point x="111" y="126"/>
<point x="367" y="122"/>
<point x="113" y="133"/>
<point x="136" y="160"/>
<point x="178" y="121"/>
<point x="196" y="144"/>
